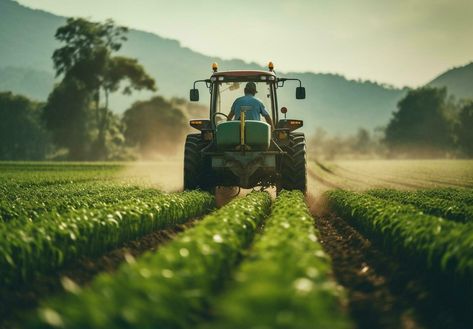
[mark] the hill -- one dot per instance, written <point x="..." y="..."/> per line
<point x="459" y="81"/>
<point x="333" y="102"/>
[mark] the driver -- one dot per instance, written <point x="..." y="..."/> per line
<point x="251" y="105"/>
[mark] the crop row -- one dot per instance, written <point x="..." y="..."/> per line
<point x="285" y="281"/>
<point x="168" y="289"/>
<point x="26" y="175"/>
<point x="452" y="194"/>
<point x="454" y="210"/>
<point x="35" y="247"/>
<point x="441" y="245"/>
<point x="20" y="205"/>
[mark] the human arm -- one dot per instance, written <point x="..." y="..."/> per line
<point x="232" y="112"/>
<point x="269" y="121"/>
<point x="266" y="116"/>
<point x="230" y="115"/>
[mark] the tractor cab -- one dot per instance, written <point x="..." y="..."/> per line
<point x="246" y="152"/>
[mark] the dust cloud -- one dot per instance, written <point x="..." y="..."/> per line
<point x="166" y="175"/>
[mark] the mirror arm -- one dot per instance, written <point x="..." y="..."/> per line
<point x="207" y="82"/>
<point x="289" y="79"/>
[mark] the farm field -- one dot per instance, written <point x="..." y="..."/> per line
<point x="383" y="244"/>
<point x="398" y="174"/>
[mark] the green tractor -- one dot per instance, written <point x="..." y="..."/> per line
<point x="245" y="153"/>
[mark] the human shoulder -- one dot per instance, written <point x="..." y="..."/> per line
<point x="259" y="101"/>
<point x="237" y="100"/>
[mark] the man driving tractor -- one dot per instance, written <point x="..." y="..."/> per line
<point x="244" y="151"/>
<point x="251" y="105"/>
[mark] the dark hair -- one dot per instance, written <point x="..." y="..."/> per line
<point x="250" y="91"/>
<point x="250" y="88"/>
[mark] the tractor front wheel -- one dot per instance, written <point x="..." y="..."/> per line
<point x="293" y="165"/>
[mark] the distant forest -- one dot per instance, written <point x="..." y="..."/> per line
<point x="427" y="124"/>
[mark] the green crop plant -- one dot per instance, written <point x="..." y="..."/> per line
<point x="37" y="174"/>
<point x="439" y="245"/>
<point x="171" y="288"/>
<point x="28" y="247"/>
<point x="451" y="209"/>
<point x="29" y="204"/>
<point x="453" y="194"/>
<point x="285" y="282"/>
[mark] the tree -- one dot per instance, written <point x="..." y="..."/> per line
<point x="69" y="116"/>
<point x="86" y="60"/>
<point x="464" y="129"/>
<point x="155" y="126"/>
<point x="421" y="127"/>
<point x="22" y="136"/>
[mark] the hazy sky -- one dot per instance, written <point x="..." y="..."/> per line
<point x="401" y="42"/>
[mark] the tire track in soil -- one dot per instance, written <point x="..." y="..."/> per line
<point x="14" y="304"/>
<point x="383" y="292"/>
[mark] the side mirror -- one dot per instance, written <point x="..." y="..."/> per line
<point x="300" y="93"/>
<point x="194" y="95"/>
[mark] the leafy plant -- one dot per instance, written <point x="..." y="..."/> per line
<point x="285" y="280"/>
<point x="168" y="289"/>
<point x="29" y="247"/>
<point x="437" y="244"/>
<point x="451" y="209"/>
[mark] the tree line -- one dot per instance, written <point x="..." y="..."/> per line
<point x="76" y="122"/>
<point x="427" y="124"/>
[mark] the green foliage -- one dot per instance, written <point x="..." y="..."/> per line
<point x="22" y="135"/>
<point x="123" y="68"/>
<point x="155" y="125"/>
<point x="69" y="117"/>
<point x="421" y="126"/>
<point x="464" y="129"/>
<point x="46" y="240"/>
<point x="29" y="175"/>
<point x="285" y="282"/>
<point x="451" y="209"/>
<point x="451" y="194"/>
<point x="438" y="245"/>
<point x="168" y="289"/>
<point x="27" y="204"/>
<point x="76" y="116"/>
<point x="86" y="44"/>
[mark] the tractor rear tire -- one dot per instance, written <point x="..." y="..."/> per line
<point x="196" y="169"/>
<point x="293" y="165"/>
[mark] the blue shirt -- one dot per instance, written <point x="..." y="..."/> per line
<point x="252" y="106"/>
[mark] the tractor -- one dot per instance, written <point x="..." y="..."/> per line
<point x="245" y="153"/>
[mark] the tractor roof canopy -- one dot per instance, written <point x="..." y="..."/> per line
<point x="249" y="75"/>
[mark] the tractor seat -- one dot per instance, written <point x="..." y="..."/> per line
<point x="257" y="135"/>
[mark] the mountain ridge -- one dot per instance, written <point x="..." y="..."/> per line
<point x="458" y="81"/>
